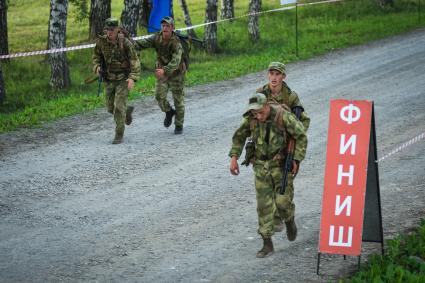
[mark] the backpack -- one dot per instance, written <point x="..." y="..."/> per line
<point x="122" y="34"/>
<point x="186" y="42"/>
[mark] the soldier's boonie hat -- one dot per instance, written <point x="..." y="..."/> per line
<point x="111" y="23"/>
<point x="278" y="67"/>
<point x="168" y="20"/>
<point x="256" y="101"/>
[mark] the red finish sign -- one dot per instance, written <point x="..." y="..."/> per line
<point x="344" y="191"/>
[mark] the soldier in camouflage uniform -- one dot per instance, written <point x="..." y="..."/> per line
<point x="120" y="68"/>
<point x="278" y="92"/>
<point x="268" y="125"/>
<point x="170" y="72"/>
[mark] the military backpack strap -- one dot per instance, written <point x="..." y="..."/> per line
<point x="278" y="118"/>
<point x="252" y="125"/>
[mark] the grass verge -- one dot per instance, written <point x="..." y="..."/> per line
<point x="404" y="261"/>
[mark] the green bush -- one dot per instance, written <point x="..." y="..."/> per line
<point x="404" y="261"/>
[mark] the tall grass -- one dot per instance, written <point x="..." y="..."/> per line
<point x="30" y="101"/>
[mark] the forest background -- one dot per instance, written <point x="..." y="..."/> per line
<point x="31" y="100"/>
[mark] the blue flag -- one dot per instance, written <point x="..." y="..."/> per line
<point x="160" y="9"/>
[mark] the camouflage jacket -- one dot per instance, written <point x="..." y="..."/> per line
<point x="168" y="54"/>
<point x="121" y="63"/>
<point x="288" y="97"/>
<point x="277" y="136"/>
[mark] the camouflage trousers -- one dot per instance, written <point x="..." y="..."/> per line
<point x="116" y="94"/>
<point x="272" y="208"/>
<point x="176" y="84"/>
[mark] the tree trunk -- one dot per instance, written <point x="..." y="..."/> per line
<point x="4" y="44"/>
<point x="383" y="3"/>
<point x="144" y="13"/>
<point x="59" y="78"/>
<point x="187" y="19"/>
<point x="100" y="10"/>
<point x="227" y="9"/>
<point x="211" y="29"/>
<point x="2" y="88"/>
<point x="253" y="30"/>
<point x="130" y="16"/>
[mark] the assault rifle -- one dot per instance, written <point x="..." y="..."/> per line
<point x="181" y="36"/>
<point x="290" y="149"/>
<point x="100" y="78"/>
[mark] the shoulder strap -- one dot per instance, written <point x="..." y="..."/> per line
<point x="252" y="125"/>
<point x="278" y="118"/>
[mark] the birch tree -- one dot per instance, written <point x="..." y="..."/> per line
<point x="100" y="10"/>
<point x="227" y="9"/>
<point x="187" y="19"/>
<point x="59" y="75"/>
<point x="130" y="16"/>
<point x="4" y="43"/>
<point x="253" y="30"/>
<point x="211" y="45"/>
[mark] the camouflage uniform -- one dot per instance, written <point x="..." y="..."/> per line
<point x="287" y="97"/>
<point x="169" y="58"/>
<point x="121" y="63"/>
<point x="268" y="164"/>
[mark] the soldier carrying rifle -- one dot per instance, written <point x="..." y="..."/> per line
<point x="268" y="125"/>
<point x="117" y="61"/>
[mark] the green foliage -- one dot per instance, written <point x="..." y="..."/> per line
<point x="82" y="9"/>
<point x="322" y="28"/>
<point x="404" y="261"/>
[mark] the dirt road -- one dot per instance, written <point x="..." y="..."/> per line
<point x="164" y="208"/>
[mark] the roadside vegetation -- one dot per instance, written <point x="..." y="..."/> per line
<point x="404" y="261"/>
<point x="322" y="28"/>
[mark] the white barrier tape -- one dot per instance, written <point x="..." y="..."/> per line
<point x="65" y="49"/>
<point x="404" y="145"/>
<point x="259" y="13"/>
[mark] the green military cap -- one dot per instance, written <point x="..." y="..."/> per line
<point x="111" y="23"/>
<point x="278" y="67"/>
<point x="256" y="101"/>
<point x="168" y="20"/>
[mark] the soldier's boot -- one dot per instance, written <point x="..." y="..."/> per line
<point x="178" y="130"/>
<point x="267" y="248"/>
<point x="119" y="135"/>
<point x="128" y="115"/>
<point x="291" y="229"/>
<point x="169" y="117"/>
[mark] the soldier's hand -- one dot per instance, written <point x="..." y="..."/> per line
<point x="295" y="167"/>
<point x="97" y="70"/>
<point x="234" y="166"/>
<point x="159" y="73"/>
<point x="130" y="84"/>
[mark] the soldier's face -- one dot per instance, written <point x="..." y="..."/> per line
<point x="275" y="78"/>
<point x="167" y="30"/>
<point x="262" y="114"/>
<point x="112" y="33"/>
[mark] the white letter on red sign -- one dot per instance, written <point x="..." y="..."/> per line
<point x="353" y="114"/>
<point x="346" y="174"/>
<point x="340" y="207"/>
<point x="343" y="146"/>
<point x="340" y="242"/>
